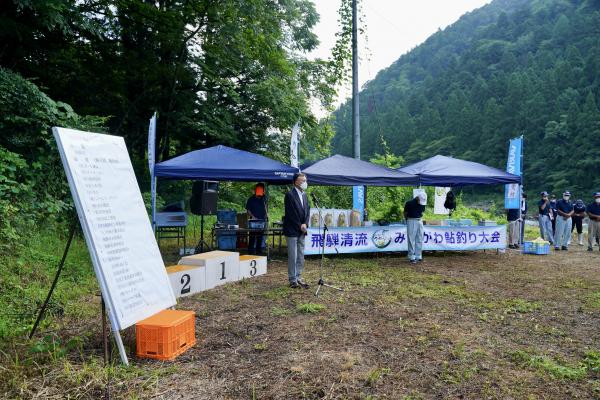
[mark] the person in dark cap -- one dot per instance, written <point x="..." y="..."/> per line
<point x="593" y="212"/>
<point x="564" y="207"/>
<point x="577" y="218"/>
<point x="295" y="227"/>
<point x="546" y="231"/>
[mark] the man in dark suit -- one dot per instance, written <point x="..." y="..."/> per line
<point x="295" y="226"/>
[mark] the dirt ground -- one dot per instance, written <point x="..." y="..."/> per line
<point x="472" y="325"/>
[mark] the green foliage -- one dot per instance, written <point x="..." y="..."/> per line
<point x="28" y="271"/>
<point x="54" y="347"/>
<point x="310" y="308"/>
<point x="375" y="375"/>
<point x="13" y="191"/>
<point x="520" y="306"/>
<point x="32" y="183"/>
<point x="227" y="72"/>
<point x="387" y="203"/>
<point x="509" y="68"/>
<point x="552" y="367"/>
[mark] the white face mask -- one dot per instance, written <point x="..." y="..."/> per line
<point x="597" y="200"/>
<point x="303" y="185"/>
<point x="566" y="198"/>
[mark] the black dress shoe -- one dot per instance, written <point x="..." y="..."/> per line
<point x="294" y="285"/>
<point x="565" y="248"/>
<point x="303" y="284"/>
<point x="590" y="249"/>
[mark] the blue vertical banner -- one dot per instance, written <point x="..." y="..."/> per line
<point x="358" y="200"/>
<point x="151" y="161"/>
<point x="514" y="165"/>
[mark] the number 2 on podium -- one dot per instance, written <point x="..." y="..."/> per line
<point x="185" y="281"/>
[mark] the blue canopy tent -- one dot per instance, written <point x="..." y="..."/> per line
<point x="222" y="163"/>
<point x="345" y="171"/>
<point x="448" y="171"/>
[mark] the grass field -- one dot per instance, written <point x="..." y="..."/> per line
<point x="459" y="325"/>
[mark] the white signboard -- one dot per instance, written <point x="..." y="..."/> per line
<point x="126" y="258"/>
<point x="440" y="199"/>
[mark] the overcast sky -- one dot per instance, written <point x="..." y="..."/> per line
<point x="393" y="27"/>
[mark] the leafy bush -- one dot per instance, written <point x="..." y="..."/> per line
<point x="33" y="187"/>
<point x="15" y="196"/>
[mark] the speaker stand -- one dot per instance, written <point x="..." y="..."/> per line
<point x="201" y="243"/>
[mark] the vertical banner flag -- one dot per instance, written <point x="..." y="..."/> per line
<point x="512" y="192"/>
<point x="358" y="200"/>
<point x="440" y="199"/>
<point x="151" y="159"/>
<point x="294" y="145"/>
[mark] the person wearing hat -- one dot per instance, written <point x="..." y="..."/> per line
<point x="413" y="212"/>
<point x="593" y="212"/>
<point x="578" y="216"/>
<point x="564" y="207"/>
<point x="546" y="231"/>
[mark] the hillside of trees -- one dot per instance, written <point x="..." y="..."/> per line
<point x="228" y="72"/>
<point x="225" y="72"/>
<point x="511" y="68"/>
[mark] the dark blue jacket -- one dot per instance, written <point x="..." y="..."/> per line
<point x="295" y="213"/>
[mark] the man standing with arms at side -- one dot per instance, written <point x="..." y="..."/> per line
<point x="553" y="213"/>
<point x="514" y="228"/>
<point x="593" y="211"/>
<point x="295" y="226"/>
<point x="564" y="207"/>
<point x="577" y="221"/>
<point x="546" y="232"/>
<point x="413" y="212"/>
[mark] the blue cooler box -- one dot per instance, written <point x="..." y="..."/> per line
<point x="227" y="240"/>
<point x="227" y="217"/>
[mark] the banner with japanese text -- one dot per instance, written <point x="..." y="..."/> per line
<point x="514" y="165"/>
<point x="358" y="200"/>
<point x="371" y="239"/>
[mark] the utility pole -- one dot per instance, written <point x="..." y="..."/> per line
<point x="359" y="193"/>
<point x="355" y="111"/>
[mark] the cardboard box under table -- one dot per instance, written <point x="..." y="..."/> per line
<point x="220" y="266"/>
<point x="251" y="266"/>
<point x="165" y="335"/>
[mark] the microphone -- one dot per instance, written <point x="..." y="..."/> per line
<point x="314" y="198"/>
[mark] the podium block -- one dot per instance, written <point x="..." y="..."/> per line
<point x="187" y="279"/>
<point x="251" y="266"/>
<point x="220" y="266"/>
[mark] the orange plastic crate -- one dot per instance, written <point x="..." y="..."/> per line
<point x="165" y="335"/>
